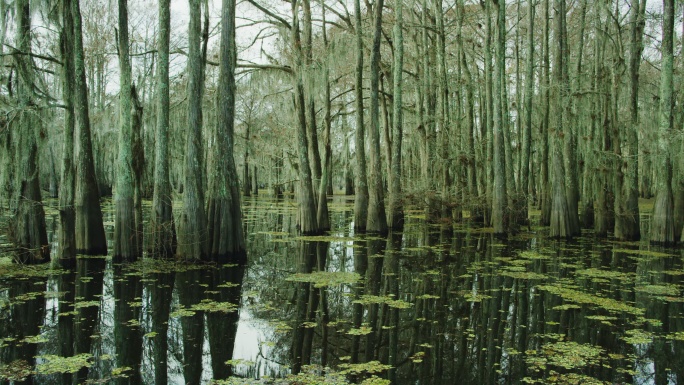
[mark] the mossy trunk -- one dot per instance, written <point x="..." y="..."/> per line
<point x="67" y="216"/>
<point x="162" y="228"/>
<point x="225" y="233"/>
<point x="192" y="235"/>
<point x="376" y="221"/>
<point x="500" y="215"/>
<point x="90" y="234"/>
<point x="564" y="216"/>
<point x="627" y="221"/>
<point x="662" y="222"/>
<point x="361" y="181"/>
<point x="28" y="225"/>
<point x="308" y="223"/>
<point x="127" y="240"/>
<point x="396" y="207"/>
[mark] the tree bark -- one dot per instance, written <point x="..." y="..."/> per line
<point x="90" y="235"/>
<point x="529" y="93"/>
<point x="127" y="240"/>
<point x="544" y="126"/>
<point x="396" y="207"/>
<point x="163" y="229"/>
<point x="562" y="223"/>
<point x="627" y="223"/>
<point x="323" y="216"/>
<point x="28" y="233"/>
<point x="376" y="221"/>
<point x="226" y="237"/>
<point x="361" y="182"/>
<point x="500" y="217"/>
<point x="67" y="216"/>
<point x="308" y="223"/>
<point x="193" y="221"/>
<point x="662" y="223"/>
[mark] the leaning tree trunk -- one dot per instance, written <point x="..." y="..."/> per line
<point x="90" y="234"/>
<point x="226" y="237"/>
<point x="192" y="242"/>
<point x="28" y="232"/>
<point x="163" y="230"/>
<point x="396" y="207"/>
<point x="662" y="224"/>
<point x="376" y="221"/>
<point x="361" y="180"/>
<point x="67" y="216"/>
<point x="127" y="240"/>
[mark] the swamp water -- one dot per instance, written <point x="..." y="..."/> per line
<point x="445" y="308"/>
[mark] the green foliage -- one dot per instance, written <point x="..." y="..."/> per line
<point x="55" y="364"/>
<point x="326" y="278"/>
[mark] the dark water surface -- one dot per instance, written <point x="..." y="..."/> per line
<point x="444" y="306"/>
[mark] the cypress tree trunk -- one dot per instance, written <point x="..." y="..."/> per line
<point x="308" y="223"/>
<point x="627" y="224"/>
<point x="192" y="241"/>
<point x="28" y="233"/>
<point x="545" y="195"/>
<point x="361" y="182"/>
<point x="529" y="93"/>
<point x="662" y="224"/>
<point x="246" y="191"/>
<point x="562" y="224"/>
<point x="376" y="221"/>
<point x="323" y="216"/>
<point x="226" y="238"/>
<point x="67" y="215"/>
<point x="499" y="192"/>
<point x="163" y="234"/>
<point x="311" y="127"/>
<point x="127" y="245"/>
<point x="396" y="208"/>
<point x="90" y="235"/>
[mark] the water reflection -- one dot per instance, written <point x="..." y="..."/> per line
<point x="431" y="305"/>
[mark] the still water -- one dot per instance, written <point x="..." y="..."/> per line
<point x="433" y="305"/>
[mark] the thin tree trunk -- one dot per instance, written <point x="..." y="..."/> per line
<point x="376" y="222"/>
<point x="396" y="207"/>
<point x="529" y="94"/>
<point x="67" y="215"/>
<point x="500" y="218"/>
<point x="246" y="191"/>
<point x="311" y="126"/>
<point x="323" y="216"/>
<point x="544" y="126"/>
<point x="361" y="182"/>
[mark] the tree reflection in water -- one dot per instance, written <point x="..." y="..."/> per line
<point x="432" y="304"/>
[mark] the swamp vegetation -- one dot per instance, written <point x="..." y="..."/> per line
<point x="433" y="304"/>
<point x="407" y="191"/>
